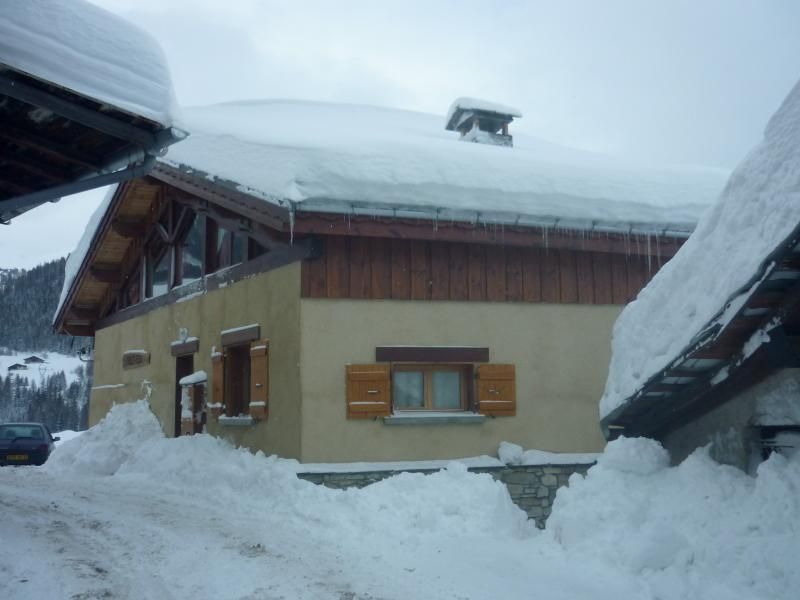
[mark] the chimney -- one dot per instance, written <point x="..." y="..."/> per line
<point x="481" y="121"/>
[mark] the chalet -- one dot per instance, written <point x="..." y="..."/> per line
<point x="34" y="360"/>
<point x="343" y="283"/>
<point x="98" y="117"/>
<point x="710" y="352"/>
<point x="17" y="367"/>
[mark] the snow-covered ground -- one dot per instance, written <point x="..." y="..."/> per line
<point x="54" y="362"/>
<point x="123" y="512"/>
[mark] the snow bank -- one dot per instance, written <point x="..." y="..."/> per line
<point x="104" y="448"/>
<point x="699" y="530"/>
<point x="365" y="159"/>
<point x="130" y="445"/>
<point x="709" y="278"/>
<point x="88" y="50"/>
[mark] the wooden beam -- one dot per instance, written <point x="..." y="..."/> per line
<point x="27" y="139"/>
<point x="111" y="275"/>
<point x="423" y="229"/>
<point x="52" y="174"/>
<point x="83" y="312"/>
<point x="225" y="196"/>
<point x="266" y="236"/>
<point x="129" y="228"/>
<point x="451" y="354"/>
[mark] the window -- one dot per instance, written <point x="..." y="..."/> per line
<point x="237" y="380"/>
<point x="386" y="388"/>
<point x="191" y="251"/>
<point x="430" y="387"/>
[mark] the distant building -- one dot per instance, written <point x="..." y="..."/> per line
<point x="34" y="360"/>
<point x="17" y="367"/>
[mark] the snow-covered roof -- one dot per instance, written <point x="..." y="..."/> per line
<point x="313" y="156"/>
<point x="465" y="103"/>
<point x="90" y="51"/>
<point x="712" y="275"/>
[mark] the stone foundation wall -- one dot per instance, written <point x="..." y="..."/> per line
<point x="532" y="488"/>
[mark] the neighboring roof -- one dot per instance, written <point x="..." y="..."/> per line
<point x="85" y="100"/>
<point x="90" y="51"/>
<point x="466" y="104"/>
<point x="350" y="159"/>
<point x="731" y="282"/>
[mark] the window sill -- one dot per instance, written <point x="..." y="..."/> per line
<point x="434" y="418"/>
<point x="242" y="421"/>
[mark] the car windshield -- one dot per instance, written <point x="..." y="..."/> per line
<point x="10" y="432"/>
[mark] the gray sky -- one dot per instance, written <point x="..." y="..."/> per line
<point x="671" y="82"/>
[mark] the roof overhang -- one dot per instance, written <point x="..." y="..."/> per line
<point x="55" y="142"/>
<point x="727" y="356"/>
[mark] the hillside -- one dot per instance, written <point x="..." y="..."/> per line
<point x="56" y="391"/>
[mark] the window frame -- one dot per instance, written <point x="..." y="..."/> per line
<point x="466" y="376"/>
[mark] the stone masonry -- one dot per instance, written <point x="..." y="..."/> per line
<point x="532" y="487"/>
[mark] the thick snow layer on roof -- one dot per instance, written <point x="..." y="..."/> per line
<point x="467" y="103"/>
<point x="370" y="160"/>
<point x="758" y="210"/>
<point x="75" y="258"/>
<point x="90" y="51"/>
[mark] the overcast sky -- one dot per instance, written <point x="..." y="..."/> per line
<point x="672" y="82"/>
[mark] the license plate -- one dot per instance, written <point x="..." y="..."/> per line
<point x="17" y="457"/>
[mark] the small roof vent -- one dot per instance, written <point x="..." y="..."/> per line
<point x="481" y="121"/>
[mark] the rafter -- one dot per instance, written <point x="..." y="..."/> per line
<point x="30" y="140"/>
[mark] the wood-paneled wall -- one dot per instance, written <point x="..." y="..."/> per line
<point x="400" y="269"/>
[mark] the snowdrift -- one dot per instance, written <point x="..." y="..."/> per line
<point x="698" y="530"/>
<point x="633" y="527"/>
<point x="129" y="444"/>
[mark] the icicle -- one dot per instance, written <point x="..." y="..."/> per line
<point x="291" y="222"/>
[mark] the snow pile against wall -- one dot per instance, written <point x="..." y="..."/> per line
<point x="88" y="50"/>
<point x="699" y="530"/>
<point x="758" y="210"/>
<point x="364" y="160"/>
<point x="130" y="445"/>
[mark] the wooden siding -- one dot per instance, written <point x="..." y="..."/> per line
<point x="397" y="269"/>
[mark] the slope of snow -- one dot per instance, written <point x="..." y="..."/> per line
<point x="55" y="362"/>
<point x="758" y="210"/>
<point x="121" y="511"/>
<point x="88" y="50"/>
<point x="370" y="160"/>
<point x="76" y="257"/>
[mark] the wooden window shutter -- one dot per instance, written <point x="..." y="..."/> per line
<point x="217" y="384"/>
<point x="368" y="391"/>
<point x="497" y="390"/>
<point x="259" y="379"/>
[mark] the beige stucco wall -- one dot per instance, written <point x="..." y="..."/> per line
<point x="561" y="353"/>
<point x="269" y="299"/>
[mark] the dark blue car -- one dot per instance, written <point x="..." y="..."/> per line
<point x="25" y="444"/>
